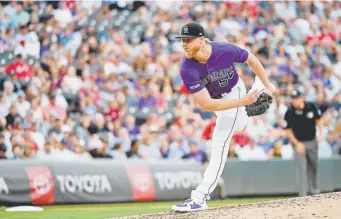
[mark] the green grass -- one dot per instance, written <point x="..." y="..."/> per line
<point x="101" y="211"/>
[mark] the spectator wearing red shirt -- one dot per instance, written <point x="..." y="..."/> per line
<point x="21" y="69"/>
<point x="242" y="138"/>
<point x="113" y="112"/>
<point x="183" y="89"/>
<point x="326" y="37"/>
<point x="208" y="130"/>
<point x="28" y="139"/>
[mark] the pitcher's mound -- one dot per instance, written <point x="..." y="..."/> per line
<point x="323" y="206"/>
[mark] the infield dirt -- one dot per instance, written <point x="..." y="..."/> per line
<point x="326" y="206"/>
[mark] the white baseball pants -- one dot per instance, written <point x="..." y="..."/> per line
<point x="226" y="123"/>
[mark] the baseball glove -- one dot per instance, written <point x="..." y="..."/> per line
<point x="260" y="106"/>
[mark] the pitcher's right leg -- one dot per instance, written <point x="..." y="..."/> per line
<point x="222" y="135"/>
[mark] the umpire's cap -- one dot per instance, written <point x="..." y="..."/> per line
<point x="191" y="30"/>
<point x="296" y="93"/>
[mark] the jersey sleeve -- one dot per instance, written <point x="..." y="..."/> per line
<point x="238" y="54"/>
<point x="191" y="81"/>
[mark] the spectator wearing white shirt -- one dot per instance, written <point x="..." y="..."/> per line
<point x="178" y="148"/>
<point x="90" y="6"/>
<point x="252" y="152"/>
<point x="32" y="44"/>
<point x="71" y="82"/>
<point x="118" y="152"/>
<point x="78" y="148"/>
<point x="148" y="150"/>
<point x="286" y="10"/>
<point x="61" y="152"/>
<point x="22" y="36"/>
<point x="325" y="148"/>
<point x="23" y="106"/>
<point x="9" y="96"/>
<point x="46" y="152"/>
<point x="258" y="127"/>
<point x="63" y="15"/>
<point x="294" y="48"/>
<point x="3" y="106"/>
<point x="37" y="136"/>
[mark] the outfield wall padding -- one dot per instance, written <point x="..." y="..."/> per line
<point x="109" y="181"/>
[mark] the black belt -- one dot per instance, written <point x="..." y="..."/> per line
<point x="221" y="95"/>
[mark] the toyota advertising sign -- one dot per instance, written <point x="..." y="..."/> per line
<point x="89" y="182"/>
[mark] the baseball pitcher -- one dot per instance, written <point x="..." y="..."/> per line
<point x="208" y="73"/>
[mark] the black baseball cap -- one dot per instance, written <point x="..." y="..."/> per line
<point x="191" y="30"/>
<point x="296" y="93"/>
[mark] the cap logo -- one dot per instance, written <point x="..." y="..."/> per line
<point x="185" y="29"/>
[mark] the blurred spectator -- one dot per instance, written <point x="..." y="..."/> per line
<point x="63" y="15"/>
<point x="242" y="138"/>
<point x="3" y="106"/>
<point x="208" y="129"/>
<point x="325" y="148"/>
<point x="20" y="17"/>
<point x="164" y="146"/>
<point x="3" y="147"/>
<point x="97" y="69"/>
<point x="9" y="97"/>
<point x="20" y="69"/>
<point x="265" y="143"/>
<point x="46" y="153"/>
<point x="131" y="126"/>
<point x="29" y="152"/>
<point x="233" y="149"/>
<point x="13" y="119"/>
<point x="147" y="100"/>
<point x="99" y="149"/>
<point x="133" y="153"/>
<point x="178" y="148"/>
<point x="52" y="109"/>
<point x="252" y="151"/>
<point x="23" y="106"/>
<point x="281" y="151"/>
<point x="3" y="151"/>
<point x="79" y="149"/>
<point x="148" y="149"/>
<point x="196" y="154"/>
<point x="17" y="152"/>
<point x="118" y="152"/>
<point x="257" y="127"/>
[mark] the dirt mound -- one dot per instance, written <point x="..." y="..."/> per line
<point x="324" y="206"/>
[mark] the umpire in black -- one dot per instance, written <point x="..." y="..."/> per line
<point x="301" y="120"/>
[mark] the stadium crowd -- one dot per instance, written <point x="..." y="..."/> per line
<point x="93" y="79"/>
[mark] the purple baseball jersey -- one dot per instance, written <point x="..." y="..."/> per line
<point x="218" y="74"/>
